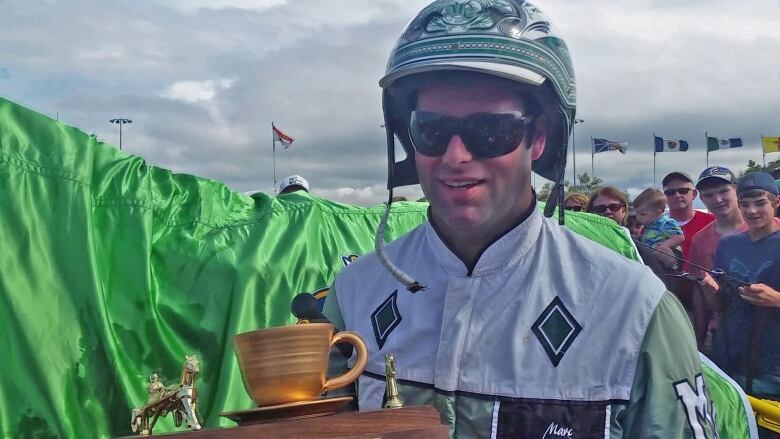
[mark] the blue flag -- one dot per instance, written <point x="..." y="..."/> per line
<point x="669" y="145"/>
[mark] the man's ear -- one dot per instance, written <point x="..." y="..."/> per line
<point x="540" y="137"/>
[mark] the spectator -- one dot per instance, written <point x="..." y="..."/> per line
<point x="293" y="183"/>
<point x="745" y="346"/>
<point x="576" y="202"/>
<point x="680" y="193"/>
<point x="610" y="202"/>
<point x="660" y="230"/>
<point x="717" y="189"/>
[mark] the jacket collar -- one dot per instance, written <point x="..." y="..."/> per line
<point x="499" y="256"/>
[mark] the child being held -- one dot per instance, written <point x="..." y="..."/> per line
<point x="660" y="230"/>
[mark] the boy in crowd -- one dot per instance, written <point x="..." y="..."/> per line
<point x="718" y="191"/>
<point x="744" y="345"/>
<point x="660" y="230"/>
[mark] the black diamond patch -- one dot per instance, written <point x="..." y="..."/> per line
<point x="385" y="318"/>
<point x="556" y="329"/>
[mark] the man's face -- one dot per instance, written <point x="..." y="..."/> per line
<point x="720" y="200"/>
<point x="678" y="200"/>
<point x="758" y="212"/>
<point x="467" y="192"/>
<point x="646" y="215"/>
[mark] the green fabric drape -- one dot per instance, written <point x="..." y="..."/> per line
<point x="112" y="269"/>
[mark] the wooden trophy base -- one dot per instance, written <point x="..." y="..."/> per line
<point x="416" y="422"/>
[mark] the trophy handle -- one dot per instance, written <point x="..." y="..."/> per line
<point x="360" y="363"/>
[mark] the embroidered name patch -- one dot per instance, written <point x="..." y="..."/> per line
<point x="385" y="318"/>
<point x="551" y="420"/>
<point x="556" y="330"/>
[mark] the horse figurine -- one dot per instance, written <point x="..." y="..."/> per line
<point x="179" y="399"/>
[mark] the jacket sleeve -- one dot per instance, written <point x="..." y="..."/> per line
<point x="669" y="398"/>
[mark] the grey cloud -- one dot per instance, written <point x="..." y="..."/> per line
<point x="312" y="66"/>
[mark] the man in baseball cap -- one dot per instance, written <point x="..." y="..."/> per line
<point x="744" y="345"/>
<point x="293" y="183"/>
<point x="680" y="193"/>
<point x="718" y="191"/>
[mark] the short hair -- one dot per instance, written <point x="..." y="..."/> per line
<point x="607" y="191"/>
<point x="758" y="193"/>
<point x="652" y="198"/>
<point x="578" y="198"/>
<point x="611" y="192"/>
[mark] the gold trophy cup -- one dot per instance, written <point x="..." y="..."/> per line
<point x="289" y="363"/>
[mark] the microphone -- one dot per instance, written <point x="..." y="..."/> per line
<point x="305" y="307"/>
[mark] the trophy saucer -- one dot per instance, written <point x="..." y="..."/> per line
<point x="290" y="410"/>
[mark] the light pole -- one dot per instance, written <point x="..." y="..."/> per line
<point x="120" y="122"/>
<point x="574" y="151"/>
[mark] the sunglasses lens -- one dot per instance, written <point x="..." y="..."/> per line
<point x="493" y="134"/>
<point x="604" y="207"/>
<point x="574" y="208"/>
<point x="430" y="133"/>
<point x="672" y="192"/>
<point x="484" y="134"/>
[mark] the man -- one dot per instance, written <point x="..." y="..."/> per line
<point x="680" y="193"/>
<point x="745" y="344"/>
<point x="495" y="315"/>
<point x="293" y="183"/>
<point x="717" y="189"/>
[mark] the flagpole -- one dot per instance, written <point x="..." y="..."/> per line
<point x="654" y="152"/>
<point x="592" y="171"/>
<point x="763" y="153"/>
<point x="273" y="148"/>
<point x="707" y="143"/>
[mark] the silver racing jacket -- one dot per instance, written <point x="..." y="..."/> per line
<point x="550" y="335"/>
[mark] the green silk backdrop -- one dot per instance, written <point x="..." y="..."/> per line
<point x="112" y="269"/>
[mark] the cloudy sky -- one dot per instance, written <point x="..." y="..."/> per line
<point x="203" y="79"/>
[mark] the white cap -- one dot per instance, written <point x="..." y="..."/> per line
<point x="293" y="180"/>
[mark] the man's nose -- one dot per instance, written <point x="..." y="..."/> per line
<point x="456" y="152"/>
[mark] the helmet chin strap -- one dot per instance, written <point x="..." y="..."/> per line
<point x="411" y="285"/>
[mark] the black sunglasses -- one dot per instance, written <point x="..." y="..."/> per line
<point x="574" y="208"/>
<point x="681" y="191"/>
<point x="614" y="207"/>
<point x="484" y="134"/>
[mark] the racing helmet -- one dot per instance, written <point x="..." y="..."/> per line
<point x="509" y="39"/>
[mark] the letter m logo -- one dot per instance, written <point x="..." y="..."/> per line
<point x="698" y="408"/>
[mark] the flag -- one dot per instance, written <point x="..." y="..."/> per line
<point x="668" y="145"/>
<point x="770" y="144"/>
<point x="713" y="143"/>
<point x="602" y="145"/>
<point x="281" y="137"/>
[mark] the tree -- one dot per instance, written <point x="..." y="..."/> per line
<point x="585" y="184"/>
<point x="752" y="166"/>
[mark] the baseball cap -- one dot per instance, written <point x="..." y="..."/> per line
<point x="757" y="180"/>
<point x="293" y="180"/>
<point x="677" y="174"/>
<point x="716" y="173"/>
